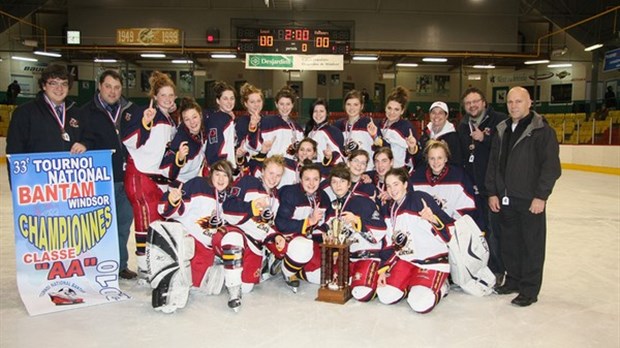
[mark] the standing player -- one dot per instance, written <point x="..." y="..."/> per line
<point x="397" y="133"/>
<point x="146" y="134"/>
<point x="220" y="127"/>
<point x="356" y="128"/>
<point x="282" y="131"/>
<point x="185" y="156"/>
<point x="328" y="138"/>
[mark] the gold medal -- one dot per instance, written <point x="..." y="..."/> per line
<point x="65" y="136"/>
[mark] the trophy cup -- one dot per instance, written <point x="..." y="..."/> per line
<point x="335" y="264"/>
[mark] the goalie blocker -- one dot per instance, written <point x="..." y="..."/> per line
<point x="168" y="251"/>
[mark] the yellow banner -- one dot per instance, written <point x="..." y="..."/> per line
<point x="148" y="37"/>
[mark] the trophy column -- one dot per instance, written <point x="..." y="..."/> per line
<point x="334" y="273"/>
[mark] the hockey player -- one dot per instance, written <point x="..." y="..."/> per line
<point x="447" y="184"/>
<point x="249" y="150"/>
<point x="357" y="163"/>
<point x="301" y="220"/>
<point x="282" y="131"/>
<point x="328" y="138"/>
<point x="417" y="231"/>
<point x="362" y="220"/>
<point x="384" y="161"/>
<point x="306" y="152"/>
<point x="355" y="127"/>
<point x="396" y="132"/>
<point x="220" y="126"/>
<point x="145" y="134"/>
<point x="185" y="155"/>
<point x="205" y="207"/>
<point x="251" y="208"/>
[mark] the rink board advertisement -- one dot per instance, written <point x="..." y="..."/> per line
<point x="66" y="240"/>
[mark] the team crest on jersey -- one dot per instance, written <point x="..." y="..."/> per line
<point x="74" y="123"/>
<point x="127" y="117"/>
<point x="487" y="131"/>
<point x="376" y="216"/>
<point x="235" y="191"/>
<point x="212" y="135"/>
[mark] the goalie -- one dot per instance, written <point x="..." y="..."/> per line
<point x="168" y="251"/>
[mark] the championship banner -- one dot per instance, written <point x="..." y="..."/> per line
<point x="66" y="240"/>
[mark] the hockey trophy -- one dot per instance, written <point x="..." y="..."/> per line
<point x="335" y="264"/>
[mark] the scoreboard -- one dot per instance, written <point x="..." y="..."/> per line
<point x="293" y="40"/>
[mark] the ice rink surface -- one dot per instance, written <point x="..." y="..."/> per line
<point x="579" y="305"/>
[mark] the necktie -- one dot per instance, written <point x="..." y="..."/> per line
<point x="58" y="110"/>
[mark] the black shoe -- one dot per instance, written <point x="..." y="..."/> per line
<point x="523" y="301"/>
<point x="505" y="290"/>
<point x="127" y="274"/>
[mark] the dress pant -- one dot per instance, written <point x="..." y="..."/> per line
<point x="522" y="241"/>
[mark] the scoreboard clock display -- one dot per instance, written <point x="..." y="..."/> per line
<point x="293" y="40"/>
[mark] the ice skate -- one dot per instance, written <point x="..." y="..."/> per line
<point x="234" y="297"/>
<point x="292" y="282"/>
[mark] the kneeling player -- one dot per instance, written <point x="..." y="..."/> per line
<point x="301" y="220"/>
<point x="418" y="231"/>
<point x="361" y="219"/>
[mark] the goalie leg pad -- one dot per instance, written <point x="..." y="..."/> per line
<point x="168" y="252"/>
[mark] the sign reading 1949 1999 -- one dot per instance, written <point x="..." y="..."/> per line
<point x="148" y="36"/>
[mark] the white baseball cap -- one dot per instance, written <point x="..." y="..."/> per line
<point x="439" y="104"/>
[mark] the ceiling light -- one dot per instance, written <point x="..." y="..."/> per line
<point x="560" y="65"/>
<point x="407" y="65"/>
<point x="593" y="47"/>
<point x="48" y="54"/>
<point x="223" y="55"/>
<point x="474" y="77"/>
<point x="435" y="59"/>
<point x="366" y="58"/>
<point x="105" y="60"/>
<point x="490" y="66"/>
<point x="25" y="59"/>
<point x="153" y="55"/>
<point x="542" y="61"/>
<point x="182" y="61"/>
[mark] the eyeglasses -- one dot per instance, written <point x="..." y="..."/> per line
<point x="472" y="102"/>
<point x="55" y="84"/>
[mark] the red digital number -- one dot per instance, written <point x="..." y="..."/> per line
<point x="287" y="34"/>
<point x="305" y="35"/>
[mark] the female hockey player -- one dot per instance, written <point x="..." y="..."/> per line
<point x="208" y="210"/>
<point x="355" y="128"/>
<point x="250" y="151"/>
<point x="328" y="138"/>
<point x="301" y="220"/>
<point x="185" y="155"/>
<point x="396" y="132"/>
<point x="146" y="132"/>
<point x="417" y="232"/>
<point x="220" y="126"/>
<point x="361" y="220"/>
<point x="281" y="130"/>
<point x="447" y="184"/>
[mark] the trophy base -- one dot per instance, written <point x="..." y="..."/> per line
<point x="334" y="296"/>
